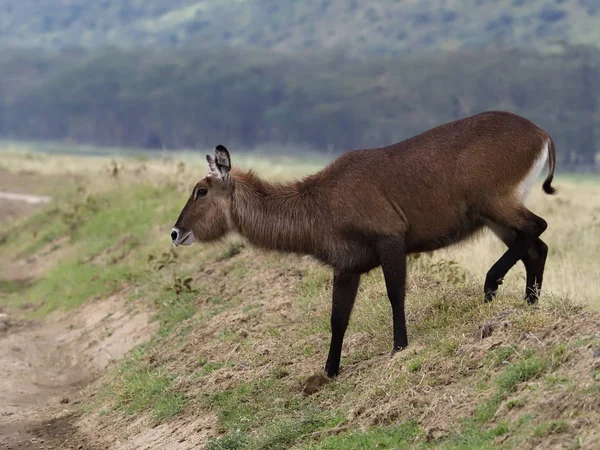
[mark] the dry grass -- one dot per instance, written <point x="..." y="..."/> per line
<point x="573" y="266"/>
<point x="184" y="166"/>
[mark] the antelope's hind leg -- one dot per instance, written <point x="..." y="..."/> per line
<point x="535" y="262"/>
<point x="523" y="243"/>
<point x="392" y="255"/>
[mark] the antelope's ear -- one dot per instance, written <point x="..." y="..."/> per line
<point x="220" y="164"/>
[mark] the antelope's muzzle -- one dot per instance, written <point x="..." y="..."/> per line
<point x="180" y="237"/>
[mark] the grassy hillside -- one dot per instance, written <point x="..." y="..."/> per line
<point x="361" y="26"/>
<point x="242" y="333"/>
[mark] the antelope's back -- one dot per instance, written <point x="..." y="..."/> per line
<point x="437" y="179"/>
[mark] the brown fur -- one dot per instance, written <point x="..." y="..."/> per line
<point x="429" y="191"/>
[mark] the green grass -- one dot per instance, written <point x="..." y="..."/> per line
<point x="473" y="437"/>
<point x="414" y="365"/>
<point x="146" y="389"/>
<point x="487" y="408"/>
<point x="109" y="239"/>
<point x="267" y="414"/>
<point x="70" y="283"/>
<point x="409" y="435"/>
<point x="522" y="370"/>
<point x="501" y="355"/>
<point x="210" y="367"/>
<point x="516" y="403"/>
<point x="548" y="428"/>
<point x="396" y="436"/>
<point x="13" y="286"/>
<point x="527" y="368"/>
<point x="234" y="440"/>
<point x="232" y="249"/>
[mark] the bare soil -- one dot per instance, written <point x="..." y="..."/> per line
<point x="23" y="191"/>
<point x="31" y="182"/>
<point x="44" y="364"/>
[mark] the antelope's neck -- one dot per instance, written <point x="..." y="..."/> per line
<point x="280" y="217"/>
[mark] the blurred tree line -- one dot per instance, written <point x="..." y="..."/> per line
<point x="327" y="101"/>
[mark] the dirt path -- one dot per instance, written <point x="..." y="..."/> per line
<point x="27" y="198"/>
<point x="44" y="364"/>
<point x="14" y="205"/>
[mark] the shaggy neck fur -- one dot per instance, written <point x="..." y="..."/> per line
<point x="277" y="216"/>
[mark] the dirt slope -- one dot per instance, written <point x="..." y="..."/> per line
<point x="44" y="364"/>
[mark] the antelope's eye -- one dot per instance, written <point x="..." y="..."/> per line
<point x="200" y="192"/>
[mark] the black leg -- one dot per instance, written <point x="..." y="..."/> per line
<point x="392" y="255"/>
<point x="535" y="261"/>
<point x="345" y="287"/>
<point x="525" y="238"/>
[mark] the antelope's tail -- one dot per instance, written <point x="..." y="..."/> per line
<point x="547" y="186"/>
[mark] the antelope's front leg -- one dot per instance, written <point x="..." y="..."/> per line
<point x="345" y="286"/>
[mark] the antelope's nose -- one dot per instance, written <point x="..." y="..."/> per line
<point x="182" y="237"/>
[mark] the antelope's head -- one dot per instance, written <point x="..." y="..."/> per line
<point x="206" y="215"/>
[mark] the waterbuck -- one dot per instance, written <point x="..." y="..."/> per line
<point x="373" y="207"/>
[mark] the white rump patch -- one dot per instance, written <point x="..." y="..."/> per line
<point x="526" y="184"/>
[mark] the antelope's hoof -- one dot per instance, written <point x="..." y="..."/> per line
<point x="491" y="289"/>
<point x="332" y="369"/>
<point x="490" y="295"/>
<point x="397" y="350"/>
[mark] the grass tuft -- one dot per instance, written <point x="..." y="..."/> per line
<point x="521" y="371"/>
<point x="146" y="389"/>
<point x="548" y="428"/>
<point x="397" y="436"/>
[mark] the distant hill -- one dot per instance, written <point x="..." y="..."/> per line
<point x="192" y="98"/>
<point x="361" y="26"/>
